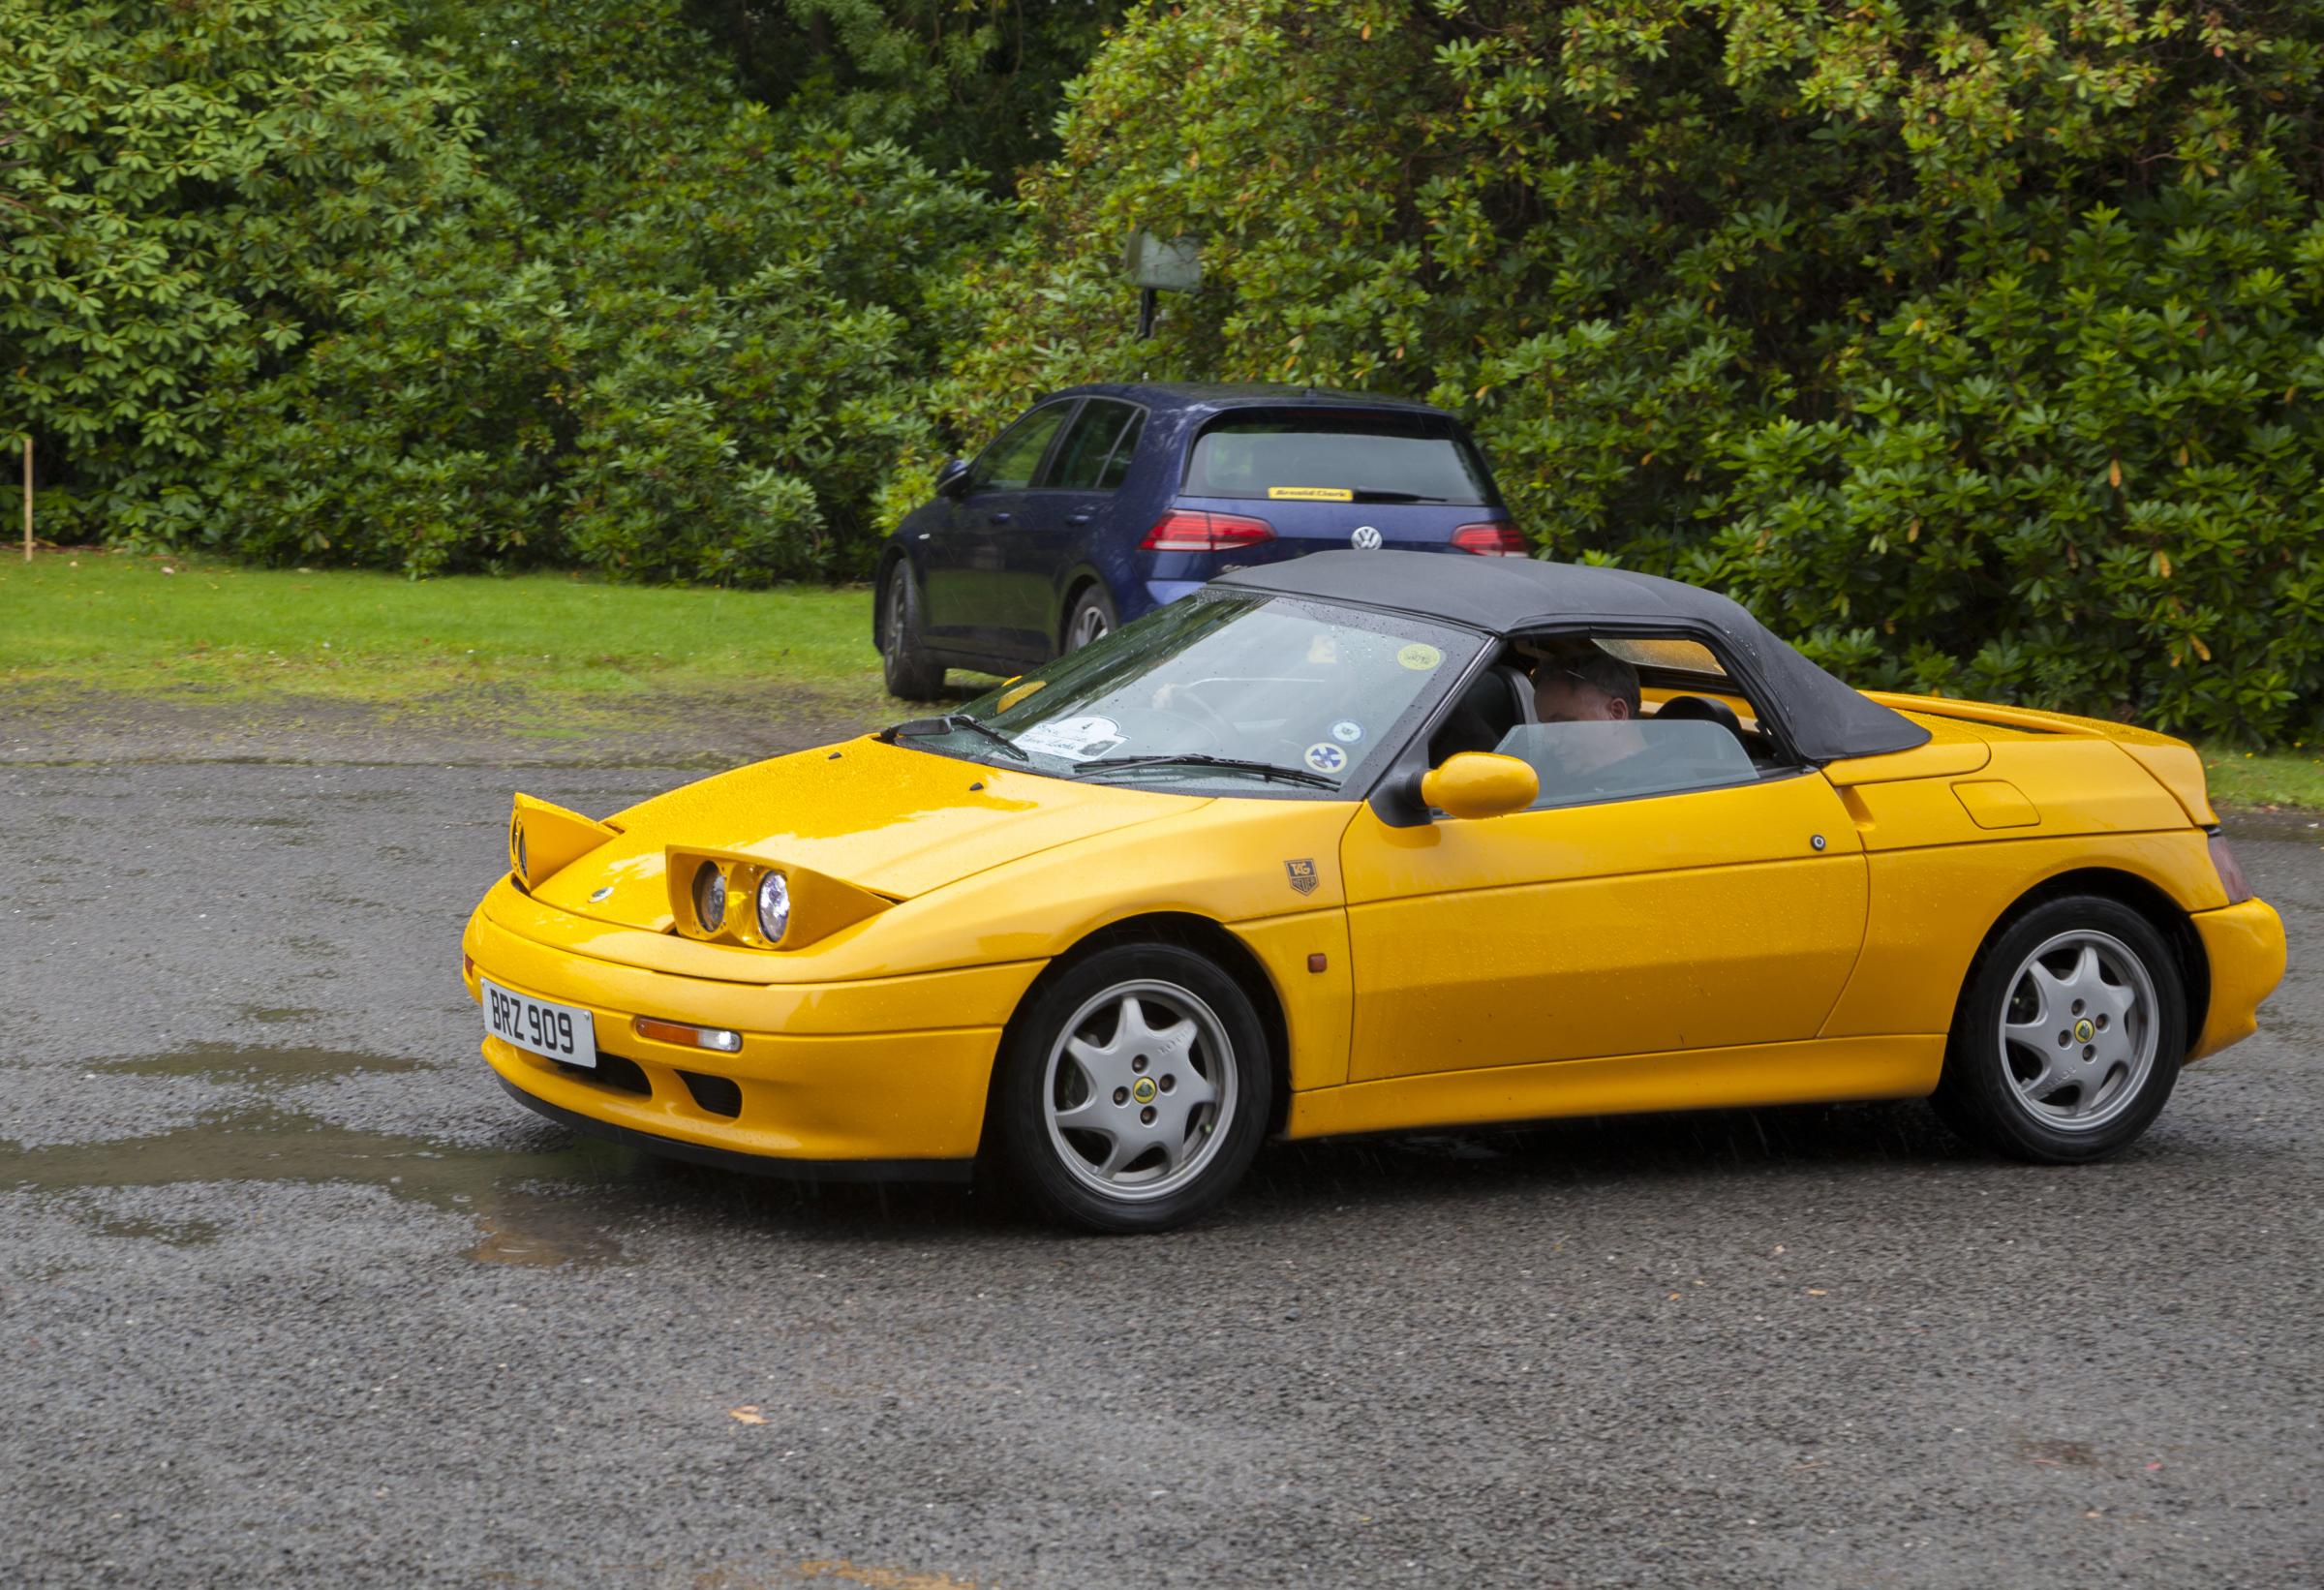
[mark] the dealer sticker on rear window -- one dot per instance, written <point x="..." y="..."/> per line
<point x="1311" y="494"/>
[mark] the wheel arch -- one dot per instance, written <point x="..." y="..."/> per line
<point x="2141" y="895"/>
<point x="1188" y="931"/>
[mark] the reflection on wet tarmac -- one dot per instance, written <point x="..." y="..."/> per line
<point x="237" y="1062"/>
<point x="524" y="1202"/>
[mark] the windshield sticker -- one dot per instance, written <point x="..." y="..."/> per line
<point x="1347" y="731"/>
<point x="1420" y="658"/>
<point x="1311" y="494"/>
<point x="1072" y="739"/>
<point x="1326" y="757"/>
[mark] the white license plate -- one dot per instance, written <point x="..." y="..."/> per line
<point x="560" y="1032"/>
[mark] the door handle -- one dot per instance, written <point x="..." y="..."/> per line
<point x="996" y="519"/>
<point x="1077" y="519"/>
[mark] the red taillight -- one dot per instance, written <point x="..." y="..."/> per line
<point x="1191" y="530"/>
<point x="1492" y="540"/>
<point x="2230" y="871"/>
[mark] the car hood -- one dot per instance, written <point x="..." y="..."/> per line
<point x="896" y="822"/>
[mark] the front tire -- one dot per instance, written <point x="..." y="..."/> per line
<point x="2068" y="1037"/>
<point x="1134" y="1090"/>
<point x="907" y="670"/>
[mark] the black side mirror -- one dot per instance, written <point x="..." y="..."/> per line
<point x="952" y="480"/>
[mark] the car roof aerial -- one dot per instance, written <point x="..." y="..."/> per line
<point x="1825" y="719"/>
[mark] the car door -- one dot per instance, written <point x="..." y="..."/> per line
<point x="1052" y="536"/>
<point x="971" y="606"/>
<point x="1692" y="919"/>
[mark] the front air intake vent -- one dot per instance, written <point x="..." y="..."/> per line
<point x="719" y="1095"/>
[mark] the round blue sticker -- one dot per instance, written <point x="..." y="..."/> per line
<point x="1347" y="731"/>
<point x="1326" y="757"/>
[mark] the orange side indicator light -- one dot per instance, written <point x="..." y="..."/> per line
<point x="719" y="1039"/>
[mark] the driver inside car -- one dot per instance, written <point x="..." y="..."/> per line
<point x="1586" y="686"/>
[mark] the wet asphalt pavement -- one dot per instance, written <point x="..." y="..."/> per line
<point x="292" y="1294"/>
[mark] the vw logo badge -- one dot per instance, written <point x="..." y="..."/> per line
<point x="1366" y="538"/>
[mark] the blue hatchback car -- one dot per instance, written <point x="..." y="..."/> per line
<point x="1105" y="501"/>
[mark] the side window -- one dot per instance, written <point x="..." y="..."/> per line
<point x="1581" y="762"/>
<point x="1090" y="444"/>
<point x="1613" y="716"/>
<point x="1124" y="449"/>
<point x="1008" y="465"/>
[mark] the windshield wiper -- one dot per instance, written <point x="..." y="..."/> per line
<point x="951" y="722"/>
<point x="1370" y="495"/>
<point x="1198" y="758"/>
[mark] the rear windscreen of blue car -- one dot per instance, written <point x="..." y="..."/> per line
<point x="1337" y="457"/>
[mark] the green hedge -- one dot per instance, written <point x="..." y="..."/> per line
<point x="282" y="279"/>
<point x="1976" y="346"/>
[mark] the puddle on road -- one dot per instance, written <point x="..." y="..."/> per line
<point x="526" y="1203"/>
<point x="278" y="1015"/>
<point x="237" y="1062"/>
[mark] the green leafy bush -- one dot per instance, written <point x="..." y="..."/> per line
<point x="1975" y="346"/>
<point x="615" y="312"/>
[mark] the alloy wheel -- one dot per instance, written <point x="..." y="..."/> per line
<point x="1139" y="1089"/>
<point x="2078" y="1030"/>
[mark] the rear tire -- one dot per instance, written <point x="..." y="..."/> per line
<point x="1134" y="1090"/>
<point x="908" y="671"/>
<point x="2069" y="1036"/>
<point x="1090" y="619"/>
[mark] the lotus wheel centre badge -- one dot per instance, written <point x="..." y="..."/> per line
<point x="1366" y="538"/>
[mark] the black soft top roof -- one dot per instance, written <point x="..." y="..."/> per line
<point x="1826" y="720"/>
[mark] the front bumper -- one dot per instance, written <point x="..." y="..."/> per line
<point x="884" y="1078"/>
<point x="2244" y="945"/>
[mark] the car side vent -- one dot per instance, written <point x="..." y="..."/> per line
<point x="719" y="1095"/>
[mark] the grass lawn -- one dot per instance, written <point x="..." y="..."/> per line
<point x="2267" y="777"/>
<point x="113" y="621"/>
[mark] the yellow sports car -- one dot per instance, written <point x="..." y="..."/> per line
<point x="1364" y="841"/>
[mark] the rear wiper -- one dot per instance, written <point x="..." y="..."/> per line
<point x="1197" y="758"/>
<point x="1368" y="496"/>
<point x="950" y="723"/>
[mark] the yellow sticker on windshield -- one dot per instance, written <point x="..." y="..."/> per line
<point x="1420" y="658"/>
<point x="1311" y="494"/>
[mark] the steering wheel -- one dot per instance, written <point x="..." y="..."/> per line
<point x="1204" y="722"/>
<point x="1185" y="703"/>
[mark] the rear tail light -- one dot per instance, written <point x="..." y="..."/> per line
<point x="1191" y="530"/>
<point x="2230" y="871"/>
<point x="1492" y="540"/>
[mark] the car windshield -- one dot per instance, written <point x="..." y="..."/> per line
<point x="1343" y="457"/>
<point x="1270" y="694"/>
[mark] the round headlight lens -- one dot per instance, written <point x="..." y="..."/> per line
<point x="774" y="905"/>
<point x="710" y="897"/>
